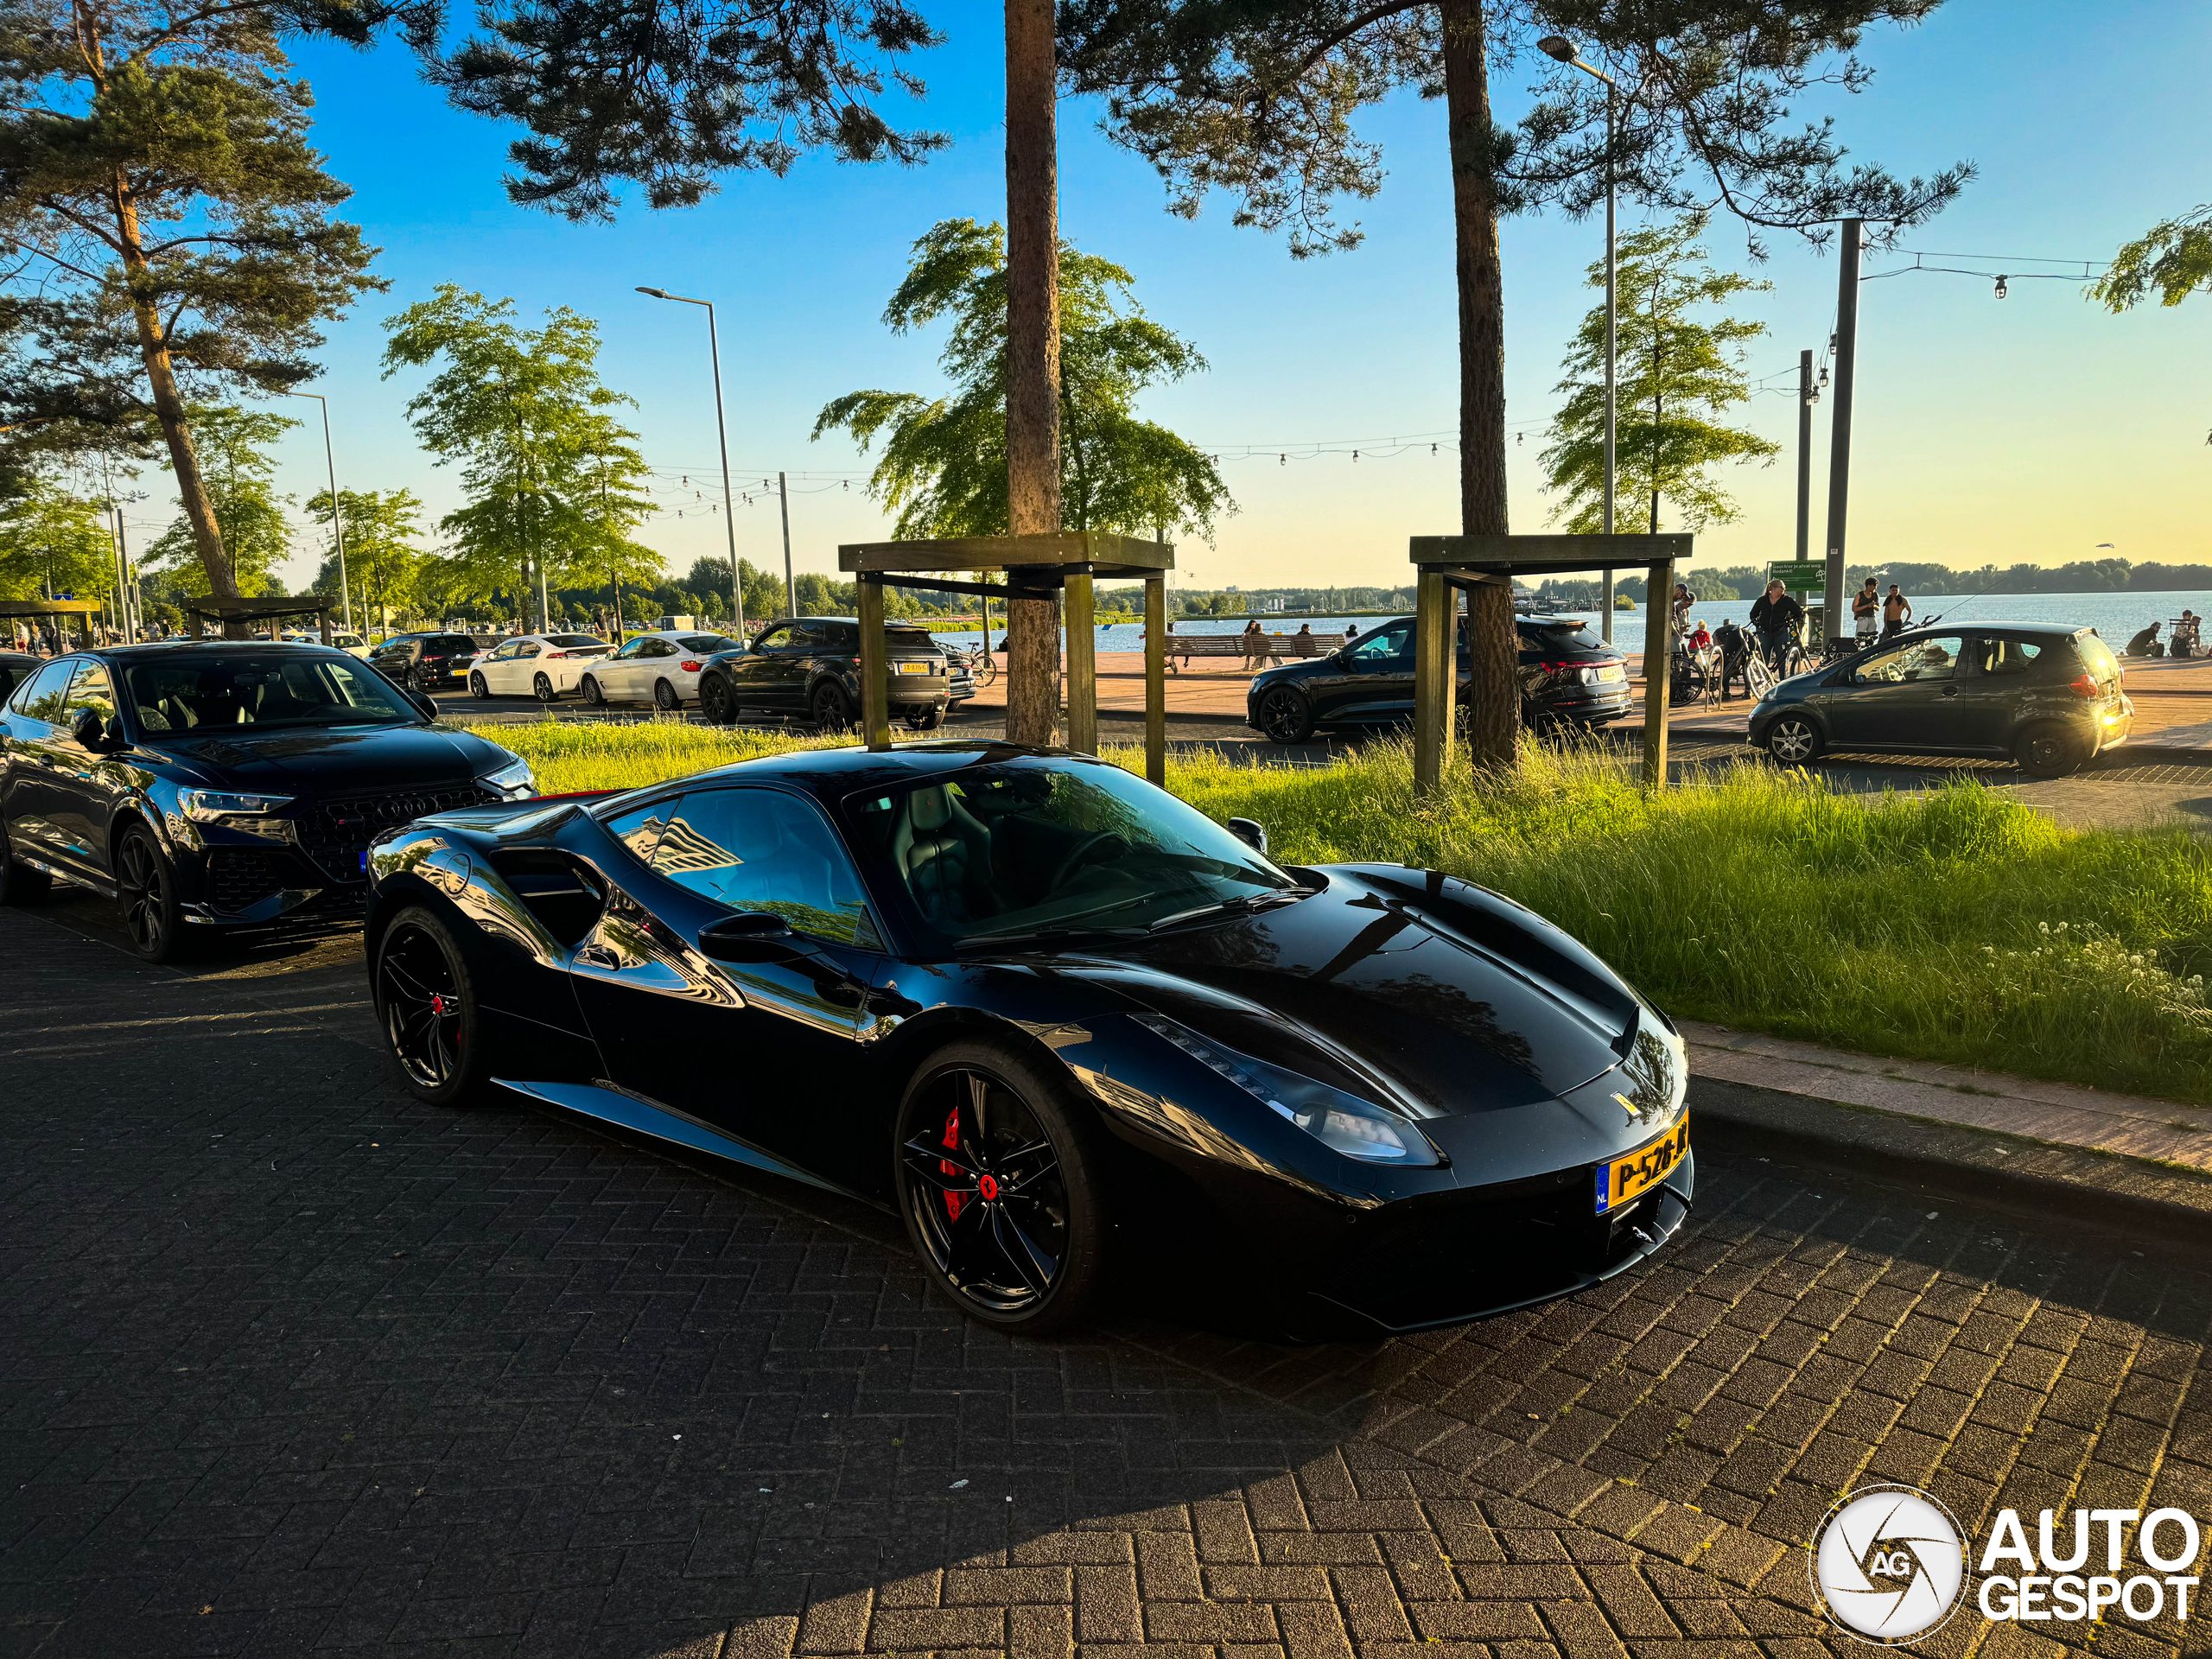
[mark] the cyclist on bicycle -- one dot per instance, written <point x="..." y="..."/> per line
<point x="1777" y="616"/>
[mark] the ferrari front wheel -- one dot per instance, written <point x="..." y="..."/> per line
<point x="426" y="1001"/>
<point x="997" y="1182"/>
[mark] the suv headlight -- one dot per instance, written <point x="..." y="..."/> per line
<point x="209" y="804"/>
<point x="512" y="781"/>
<point x="1345" y="1124"/>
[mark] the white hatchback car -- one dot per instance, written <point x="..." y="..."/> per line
<point x="542" y="665"/>
<point x="663" y="666"/>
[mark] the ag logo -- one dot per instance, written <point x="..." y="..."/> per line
<point x="1888" y="1563"/>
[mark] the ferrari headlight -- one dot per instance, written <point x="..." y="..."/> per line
<point x="512" y="781"/>
<point x="209" y="804"/>
<point x="1343" y="1123"/>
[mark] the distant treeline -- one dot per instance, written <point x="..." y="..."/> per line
<point x="2081" y="576"/>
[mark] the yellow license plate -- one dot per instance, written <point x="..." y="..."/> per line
<point x="1611" y="671"/>
<point x="1628" y="1178"/>
<point x="913" y="668"/>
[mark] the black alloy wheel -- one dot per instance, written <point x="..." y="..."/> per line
<point x="427" y="1005"/>
<point x="995" y="1182"/>
<point x="717" y="700"/>
<point x="543" y="686"/>
<point x="665" y="698"/>
<point x="476" y="686"/>
<point x="152" y="919"/>
<point x="422" y="678"/>
<point x="594" y="697"/>
<point x="925" y="719"/>
<point x="832" y="710"/>
<point x="19" y="883"/>
<point x="2047" y="749"/>
<point x="1285" y="715"/>
<point x="1793" y="740"/>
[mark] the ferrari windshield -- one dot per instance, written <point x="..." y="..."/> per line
<point x="998" y="851"/>
<point x="280" y="687"/>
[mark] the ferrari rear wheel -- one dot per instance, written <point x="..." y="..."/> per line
<point x="997" y="1182"/>
<point x="427" y="1004"/>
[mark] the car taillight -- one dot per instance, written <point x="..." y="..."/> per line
<point x="553" y="656"/>
<point x="2083" y="686"/>
<point x="688" y="668"/>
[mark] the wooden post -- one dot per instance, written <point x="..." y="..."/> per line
<point x="193" y="619"/>
<point x="1429" y="674"/>
<point x="1155" y="678"/>
<point x="1658" y="667"/>
<point x="322" y="619"/>
<point x="875" y="693"/>
<point x="1450" y="689"/>
<point x="1083" y="665"/>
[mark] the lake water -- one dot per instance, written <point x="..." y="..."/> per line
<point x="2116" y="617"/>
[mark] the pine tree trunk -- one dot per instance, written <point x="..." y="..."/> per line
<point x="1493" y="699"/>
<point x="168" y="408"/>
<point x="1032" y="357"/>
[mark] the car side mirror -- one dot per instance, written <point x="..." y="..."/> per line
<point x="424" y="702"/>
<point x="751" y="936"/>
<point x="89" y="729"/>
<point x="1251" y="831"/>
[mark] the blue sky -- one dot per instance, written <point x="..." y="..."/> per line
<point x="2030" y="428"/>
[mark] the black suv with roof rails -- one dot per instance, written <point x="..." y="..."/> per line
<point x="424" y="661"/>
<point x="2043" y="694"/>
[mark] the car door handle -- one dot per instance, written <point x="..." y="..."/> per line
<point x="1950" y="690"/>
<point x="597" y="956"/>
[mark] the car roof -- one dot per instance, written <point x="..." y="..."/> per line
<point x="830" y="775"/>
<point x="2034" y="630"/>
<point x="170" y="649"/>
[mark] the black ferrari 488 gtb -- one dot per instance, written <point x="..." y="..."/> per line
<point x="1056" y="1019"/>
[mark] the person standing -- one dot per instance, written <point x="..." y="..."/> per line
<point x="1776" y="613"/>
<point x="1865" y="607"/>
<point x="1897" y="611"/>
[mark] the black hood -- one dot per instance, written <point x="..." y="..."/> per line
<point x="329" y="759"/>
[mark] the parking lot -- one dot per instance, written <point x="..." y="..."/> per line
<point x="297" y="1364"/>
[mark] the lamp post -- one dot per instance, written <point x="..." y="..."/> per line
<point x="722" y="435"/>
<point x="337" y="526"/>
<point x="1559" y="47"/>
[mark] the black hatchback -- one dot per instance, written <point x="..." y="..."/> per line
<point x="206" y="785"/>
<point x="2047" y="696"/>
<point x="1569" y="677"/>
<point x="424" y="661"/>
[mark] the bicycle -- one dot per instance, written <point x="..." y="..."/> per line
<point x="982" y="666"/>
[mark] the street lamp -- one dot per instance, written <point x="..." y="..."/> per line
<point x="721" y="434"/>
<point x="1559" y="47"/>
<point x="337" y="527"/>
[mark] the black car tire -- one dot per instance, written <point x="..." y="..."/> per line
<point x="665" y="698"/>
<point x="2050" y="749"/>
<point x="19" y="883"/>
<point x="717" y="701"/>
<point x="543" y="687"/>
<point x="476" y="686"/>
<point x="1285" y="715"/>
<point x="428" y="1010"/>
<point x="593" y="697"/>
<point x="1793" y="740"/>
<point x="153" y="920"/>
<point x="927" y="719"/>
<point x="1030" y="1261"/>
<point x="419" y="678"/>
<point x="831" y="708"/>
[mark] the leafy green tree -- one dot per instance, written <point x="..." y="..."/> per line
<point x="169" y="229"/>
<point x="53" y="542"/>
<point x="555" y="484"/>
<point x="383" y="529"/>
<point x="1678" y="375"/>
<point x="2172" y="259"/>
<point x="944" y="462"/>
<point x="237" y="476"/>
<point x="1259" y="98"/>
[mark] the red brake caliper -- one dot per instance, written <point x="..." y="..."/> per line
<point x="954" y="1202"/>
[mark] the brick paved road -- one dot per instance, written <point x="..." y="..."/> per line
<point x="292" y="1363"/>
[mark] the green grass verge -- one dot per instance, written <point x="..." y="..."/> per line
<point x="1954" y="924"/>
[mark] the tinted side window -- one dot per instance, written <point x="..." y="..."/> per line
<point x="90" y="689"/>
<point x="640" y="829"/>
<point x="41" y="697"/>
<point x="2009" y="656"/>
<point x="758" y="849"/>
<point x="1380" y="649"/>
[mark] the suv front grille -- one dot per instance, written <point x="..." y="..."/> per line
<point x="241" y="876"/>
<point x="336" y="830"/>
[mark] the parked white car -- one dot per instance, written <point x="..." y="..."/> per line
<point x="663" y="666"/>
<point x="351" y="644"/>
<point x="542" y="665"/>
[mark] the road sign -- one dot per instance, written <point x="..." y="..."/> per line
<point x="1797" y="575"/>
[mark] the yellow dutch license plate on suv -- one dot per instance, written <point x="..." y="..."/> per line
<point x="1629" y="1177"/>
<point x="917" y="668"/>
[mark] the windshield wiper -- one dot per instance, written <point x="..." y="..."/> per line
<point x="1242" y="904"/>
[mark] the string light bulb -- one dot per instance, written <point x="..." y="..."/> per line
<point x="2000" y="288"/>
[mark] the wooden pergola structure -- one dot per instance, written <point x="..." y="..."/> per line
<point x="206" y="606"/>
<point x="1444" y="564"/>
<point x="1062" y="565"/>
<point x="27" y="609"/>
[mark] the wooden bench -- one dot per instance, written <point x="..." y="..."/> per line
<point x="1279" y="646"/>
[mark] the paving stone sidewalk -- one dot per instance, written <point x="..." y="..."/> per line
<point x="294" y="1364"/>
